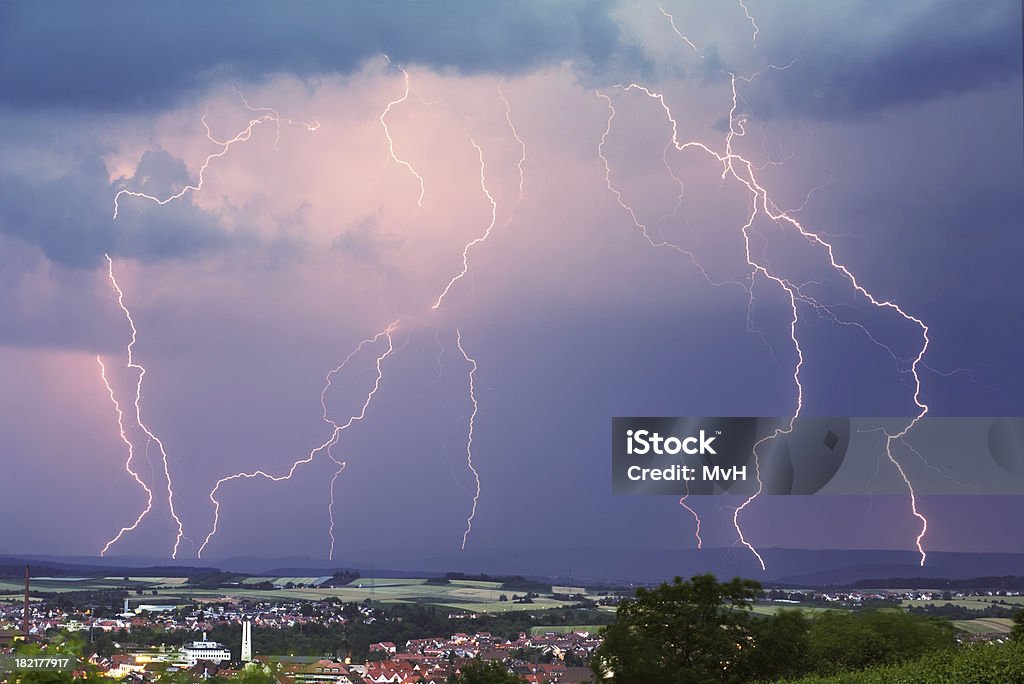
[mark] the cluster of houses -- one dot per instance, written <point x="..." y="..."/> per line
<point x="534" y="659"/>
<point x="164" y="618"/>
<point x="434" y="660"/>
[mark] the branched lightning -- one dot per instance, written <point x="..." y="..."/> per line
<point x="138" y="407"/>
<point x="744" y="172"/>
<point x="274" y="115"/>
<point x="323" y="405"/>
<point x="387" y="131"/>
<point x="469" y="438"/>
<point x="127" y="463"/>
<point x="269" y="116"/>
<point x="641" y="227"/>
<point x="475" y="241"/>
<point x="330" y="442"/>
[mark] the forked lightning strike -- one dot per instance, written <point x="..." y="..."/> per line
<point x="743" y="171"/>
<point x="269" y="116"/>
<point x="323" y="405"/>
<point x="335" y="434"/>
<point x="387" y="131"/>
<point x="469" y="438"/>
<point x="127" y="463"/>
<point x="475" y="241"/>
<point x="138" y="407"/>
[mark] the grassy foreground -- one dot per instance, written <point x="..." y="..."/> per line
<point x="981" y="663"/>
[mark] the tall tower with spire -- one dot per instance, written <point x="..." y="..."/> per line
<point x="247" y="641"/>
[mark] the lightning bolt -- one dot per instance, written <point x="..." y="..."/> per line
<point x="127" y="463"/>
<point x="515" y="134"/>
<point x="744" y="172"/>
<point x="337" y="428"/>
<point x="469" y="438"/>
<point x="330" y="506"/>
<point x="752" y="23"/>
<point x="641" y="227"/>
<point x="387" y="131"/>
<point x="696" y="518"/>
<point x="672" y="23"/>
<point x="138" y="406"/>
<point x="465" y="269"/>
<point x="483" y="183"/>
<point x="269" y="116"/>
<point x="336" y="433"/>
<point x="476" y="241"/>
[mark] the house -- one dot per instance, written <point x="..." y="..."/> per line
<point x="324" y="670"/>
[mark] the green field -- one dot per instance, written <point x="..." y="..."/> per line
<point x="985" y="625"/>
<point x="471" y="596"/>
<point x="972" y="602"/>
<point x="65" y="584"/>
<point x="282" y="581"/>
<point x="773" y="608"/>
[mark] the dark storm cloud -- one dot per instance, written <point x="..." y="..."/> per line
<point x="854" y="58"/>
<point x="70" y="217"/>
<point x="119" y="53"/>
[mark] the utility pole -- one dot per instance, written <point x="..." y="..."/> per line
<point x="25" y="612"/>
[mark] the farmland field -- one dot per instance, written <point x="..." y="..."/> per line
<point x="985" y="625"/>
<point x="773" y="608"/>
<point x="472" y="596"/>
<point x="972" y="602"/>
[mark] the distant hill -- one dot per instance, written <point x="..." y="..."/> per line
<point x="51" y="566"/>
<point x="1005" y="583"/>
<point x="595" y="566"/>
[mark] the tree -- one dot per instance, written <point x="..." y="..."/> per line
<point x="254" y="675"/>
<point x="479" y="672"/>
<point x="853" y="641"/>
<point x="689" y="631"/>
<point x="67" y="646"/>
<point x="779" y="648"/>
<point x="1017" y="633"/>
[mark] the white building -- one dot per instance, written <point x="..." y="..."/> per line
<point x="209" y="651"/>
<point x="246" y="641"/>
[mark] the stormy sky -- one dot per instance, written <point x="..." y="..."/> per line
<point x="893" y="132"/>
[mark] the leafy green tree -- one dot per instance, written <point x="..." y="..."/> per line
<point x="479" y="672"/>
<point x="254" y="675"/>
<point x="67" y="647"/>
<point x="779" y="647"/>
<point x="853" y="641"/>
<point x="1017" y="633"/>
<point x="687" y="631"/>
